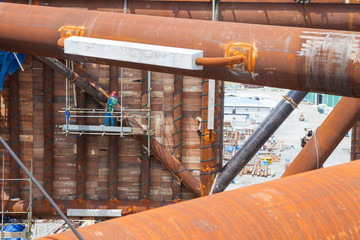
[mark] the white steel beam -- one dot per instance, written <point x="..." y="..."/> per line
<point x="173" y="57"/>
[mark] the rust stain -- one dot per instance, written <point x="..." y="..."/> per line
<point x="209" y="136"/>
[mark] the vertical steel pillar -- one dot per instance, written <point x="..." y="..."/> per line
<point x="80" y="143"/>
<point x="177" y="133"/>
<point x="355" y="141"/>
<point x="221" y="124"/>
<point x="113" y="140"/>
<point x="48" y="129"/>
<point x="326" y="137"/>
<point x="270" y="124"/>
<point x="14" y="128"/>
<point x="208" y="143"/>
<point x="144" y="151"/>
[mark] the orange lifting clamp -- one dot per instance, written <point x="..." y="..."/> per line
<point x="68" y="31"/>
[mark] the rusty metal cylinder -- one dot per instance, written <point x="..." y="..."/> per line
<point x="326" y="137"/>
<point x="315" y="205"/>
<point x="302" y="59"/>
<point x="341" y="15"/>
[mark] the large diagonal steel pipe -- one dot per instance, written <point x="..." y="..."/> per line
<point x="253" y="144"/>
<point x="325" y="61"/>
<point x="326" y="137"/>
<point x="322" y="204"/>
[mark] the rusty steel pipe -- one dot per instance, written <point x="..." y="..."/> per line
<point x="302" y="59"/>
<point x="326" y="137"/>
<point x="336" y="14"/>
<point x="316" y="205"/>
<point x="114" y="5"/>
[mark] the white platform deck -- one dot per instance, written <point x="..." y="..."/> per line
<point x="94" y="212"/>
<point x="89" y="128"/>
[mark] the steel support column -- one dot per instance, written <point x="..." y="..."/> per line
<point x="301" y="59"/>
<point x="209" y="143"/>
<point x="355" y="142"/>
<point x="80" y="143"/>
<point x="144" y="151"/>
<point x="14" y="131"/>
<point x="48" y="117"/>
<point x="262" y="133"/>
<point x="326" y="137"/>
<point x="114" y="141"/>
<point x="314" y="205"/>
<point x="177" y="132"/>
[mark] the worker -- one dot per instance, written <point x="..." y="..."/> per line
<point x="110" y="108"/>
<point x="307" y="137"/>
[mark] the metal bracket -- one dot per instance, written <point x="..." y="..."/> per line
<point x="68" y="31"/>
<point x="248" y="53"/>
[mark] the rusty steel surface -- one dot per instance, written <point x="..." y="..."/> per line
<point x="177" y="169"/>
<point x="48" y="92"/>
<point x="177" y="132"/>
<point x="209" y="143"/>
<point x="114" y="142"/>
<point x="318" y="14"/>
<point x="145" y="166"/>
<point x="42" y="208"/>
<point x="326" y="137"/>
<point x="355" y="142"/>
<point x="14" y="129"/>
<point x="115" y="3"/>
<point x="325" y="61"/>
<point x="316" y="205"/>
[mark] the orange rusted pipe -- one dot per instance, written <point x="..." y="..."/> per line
<point x="334" y="14"/>
<point x="223" y="61"/>
<point x="300" y="59"/>
<point x="317" y="205"/>
<point x="326" y="137"/>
